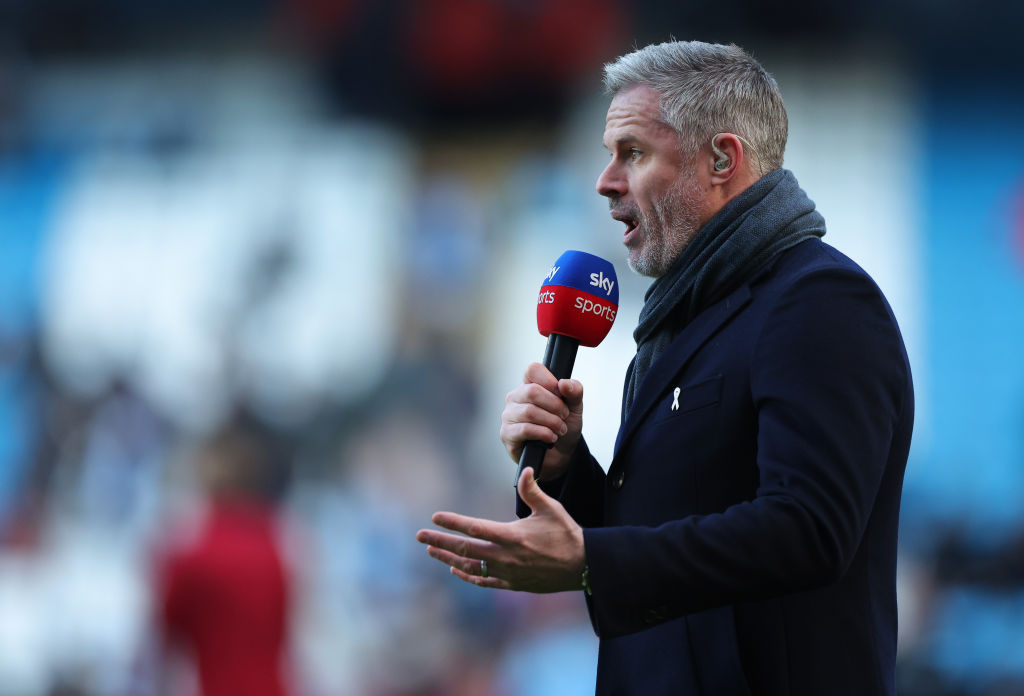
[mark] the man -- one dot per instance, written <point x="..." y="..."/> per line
<point x="223" y="598"/>
<point x="743" y="540"/>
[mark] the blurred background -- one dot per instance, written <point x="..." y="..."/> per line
<point x="268" y="268"/>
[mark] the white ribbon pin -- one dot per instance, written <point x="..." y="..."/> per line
<point x="675" y="399"/>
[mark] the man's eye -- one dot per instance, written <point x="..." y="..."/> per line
<point x="634" y="154"/>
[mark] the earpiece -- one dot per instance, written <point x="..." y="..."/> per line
<point x="723" y="161"/>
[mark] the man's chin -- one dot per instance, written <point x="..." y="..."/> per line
<point x="641" y="265"/>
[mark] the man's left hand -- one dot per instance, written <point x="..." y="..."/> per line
<point x="540" y="553"/>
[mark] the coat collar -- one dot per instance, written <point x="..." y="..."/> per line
<point x="677" y="354"/>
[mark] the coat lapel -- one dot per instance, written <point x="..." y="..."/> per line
<point x="676" y="355"/>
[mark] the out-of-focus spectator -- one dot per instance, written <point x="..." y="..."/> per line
<point x="223" y="597"/>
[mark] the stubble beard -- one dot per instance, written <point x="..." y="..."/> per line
<point x="667" y="230"/>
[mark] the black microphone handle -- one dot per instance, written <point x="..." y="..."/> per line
<point x="559" y="357"/>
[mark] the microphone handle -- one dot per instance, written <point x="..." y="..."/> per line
<point x="559" y="357"/>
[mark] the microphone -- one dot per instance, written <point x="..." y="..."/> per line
<point x="576" y="306"/>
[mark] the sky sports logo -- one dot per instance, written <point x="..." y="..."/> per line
<point x="583" y="304"/>
<point x="599" y="280"/>
<point x="599" y="308"/>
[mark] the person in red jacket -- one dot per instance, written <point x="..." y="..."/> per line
<point x="224" y="596"/>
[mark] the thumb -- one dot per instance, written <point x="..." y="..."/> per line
<point x="531" y="493"/>
<point x="572" y="393"/>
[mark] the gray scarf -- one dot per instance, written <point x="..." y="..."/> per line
<point x="769" y="217"/>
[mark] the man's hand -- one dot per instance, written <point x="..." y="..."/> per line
<point x="539" y="553"/>
<point x="544" y="409"/>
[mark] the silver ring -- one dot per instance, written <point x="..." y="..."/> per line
<point x="483" y="568"/>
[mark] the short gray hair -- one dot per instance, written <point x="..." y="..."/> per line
<point x="707" y="89"/>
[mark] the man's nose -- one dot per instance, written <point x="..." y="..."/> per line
<point x="611" y="183"/>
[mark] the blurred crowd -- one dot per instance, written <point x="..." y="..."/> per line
<point x="262" y="287"/>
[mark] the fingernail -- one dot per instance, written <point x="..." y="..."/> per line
<point x="564" y="429"/>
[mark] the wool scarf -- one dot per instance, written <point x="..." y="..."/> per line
<point x="771" y="216"/>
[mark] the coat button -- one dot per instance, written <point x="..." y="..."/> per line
<point x="619" y="478"/>
<point x="656" y="615"/>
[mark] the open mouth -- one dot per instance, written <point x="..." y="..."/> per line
<point x="629" y="219"/>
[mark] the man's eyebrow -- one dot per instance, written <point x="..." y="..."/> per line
<point x="623" y="140"/>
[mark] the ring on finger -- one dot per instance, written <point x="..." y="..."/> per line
<point x="483" y="568"/>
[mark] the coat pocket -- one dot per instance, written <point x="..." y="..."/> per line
<point x="684" y="398"/>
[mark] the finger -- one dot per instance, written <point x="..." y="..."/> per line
<point x="515" y="432"/>
<point x="490" y="581"/>
<point x="450" y="559"/>
<point x="531" y="493"/>
<point x="458" y="545"/>
<point x="538" y="396"/>
<point x="536" y="415"/>
<point x="470" y="566"/>
<point x="474" y="527"/>
<point x="538" y="374"/>
<point x="515" y="436"/>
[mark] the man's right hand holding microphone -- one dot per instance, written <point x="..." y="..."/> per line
<point x="547" y="410"/>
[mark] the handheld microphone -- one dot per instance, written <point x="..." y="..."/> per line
<point x="576" y="306"/>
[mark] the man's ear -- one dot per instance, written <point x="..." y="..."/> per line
<point x="729" y="156"/>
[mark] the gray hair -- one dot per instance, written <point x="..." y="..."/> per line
<point x="707" y="89"/>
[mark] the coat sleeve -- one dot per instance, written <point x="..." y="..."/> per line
<point x="829" y="380"/>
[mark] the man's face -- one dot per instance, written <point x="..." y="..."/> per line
<point x="650" y="185"/>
